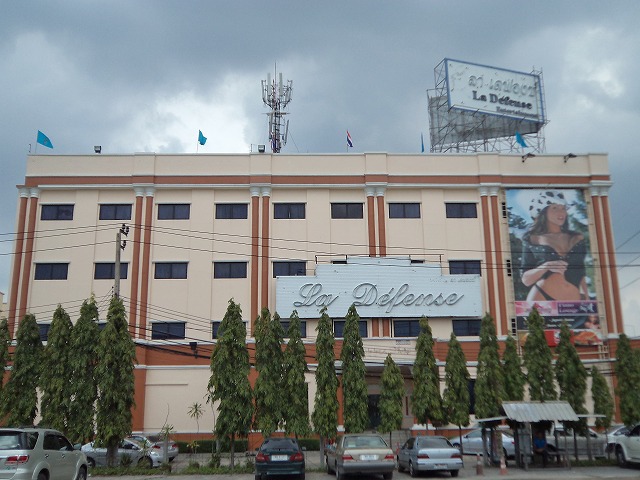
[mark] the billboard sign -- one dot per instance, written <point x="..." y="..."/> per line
<point x="496" y="91"/>
<point x="552" y="260"/>
<point x="389" y="288"/>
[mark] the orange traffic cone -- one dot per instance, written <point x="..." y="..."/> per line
<point x="503" y="465"/>
<point x="479" y="465"/>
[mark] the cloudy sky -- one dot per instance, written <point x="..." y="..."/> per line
<point x="138" y="76"/>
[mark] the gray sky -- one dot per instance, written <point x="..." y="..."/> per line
<point x="146" y="75"/>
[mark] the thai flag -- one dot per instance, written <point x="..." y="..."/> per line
<point x="349" y="141"/>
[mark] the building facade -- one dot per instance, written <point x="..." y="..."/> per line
<point x="401" y="236"/>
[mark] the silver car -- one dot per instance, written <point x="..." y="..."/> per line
<point x="155" y="445"/>
<point x="361" y="454"/>
<point x="429" y="454"/>
<point x="472" y="442"/>
<point x="39" y="454"/>
<point x="136" y="452"/>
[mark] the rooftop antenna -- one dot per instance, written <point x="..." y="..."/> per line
<point x="276" y="95"/>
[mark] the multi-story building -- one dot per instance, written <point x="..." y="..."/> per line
<point x="401" y="236"/>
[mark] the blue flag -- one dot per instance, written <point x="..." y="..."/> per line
<point x="44" y="140"/>
<point x="520" y="140"/>
<point x="201" y="138"/>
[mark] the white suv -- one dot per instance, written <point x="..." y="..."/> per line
<point x="627" y="447"/>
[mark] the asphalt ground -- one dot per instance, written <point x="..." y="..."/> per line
<point x="315" y="471"/>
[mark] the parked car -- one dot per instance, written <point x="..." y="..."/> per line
<point x="360" y="453"/>
<point x="628" y="447"/>
<point x="472" y="442"/>
<point x="596" y="441"/>
<point x="427" y="454"/>
<point x="155" y="445"/>
<point x="39" y="453"/>
<point x="137" y="453"/>
<point x="280" y="457"/>
<point x="611" y="437"/>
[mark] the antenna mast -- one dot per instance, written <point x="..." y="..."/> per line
<point x="276" y="95"/>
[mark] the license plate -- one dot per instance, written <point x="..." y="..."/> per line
<point x="368" y="457"/>
<point x="279" y="458"/>
<point x="440" y="466"/>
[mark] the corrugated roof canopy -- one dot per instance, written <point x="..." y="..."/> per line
<point x="539" y="411"/>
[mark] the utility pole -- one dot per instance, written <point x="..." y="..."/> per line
<point x="120" y="244"/>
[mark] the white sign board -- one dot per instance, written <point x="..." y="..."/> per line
<point x="378" y="290"/>
<point x="496" y="91"/>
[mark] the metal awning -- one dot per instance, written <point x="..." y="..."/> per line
<point x="555" y="411"/>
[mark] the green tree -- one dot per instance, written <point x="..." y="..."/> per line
<point x="5" y="342"/>
<point x="538" y="360"/>
<point x="269" y="365"/>
<point x="54" y="378"/>
<point x="354" y="386"/>
<point x="115" y="373"/>
<point x="514" y="378"/>
<point x="229" y="381"/>
<point x="195" y="411"/>
<point x="21" y="399"/>
<point x="83" y="360"/>
<point x="628" y="372"/>
<point x="425" y="399"/>
<point x="570" y="372"/>
<point x="325" y="405"/>
<point x="456" y="398"/>
<point x="602" y="401"/>
<point x="489" y="388"/>
<point x="296" y="405"/>
<point x="391" y="397"/>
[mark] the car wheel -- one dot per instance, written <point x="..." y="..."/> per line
<point x="302" y="476"/>
<point x="82" y="474"/>
<point x="258" y="477"/>
<point x="145" y="462"/>
<point x="454" y="473"/>
<point x="329" y="469"/>
<point x="339" y="476"/>
<point x="400" y="467"/>
<point x="412" y="471"/>
<point x="387" y="476"/>
<point x="42" y="476"/>
<point x="91" y="462"/>
<point x="620" y="457"/>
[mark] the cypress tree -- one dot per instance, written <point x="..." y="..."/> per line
<point x="5" y="342"/>
<point x="514" y="378"/>
<point x="425" y="398"/>
<point x="391" y="397"/>
<point x="456" y="398"/>
<point x="296" y="405"/>
<point x="570" y="373"/>
<point x="602" y="401"/>
<point x="628" y="372"/>
<point x="489" y="389"/>
<point x="538" y="360"/>
<point x="354" y="385"/>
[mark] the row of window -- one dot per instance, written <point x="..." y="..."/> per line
<point x="178" y="270"/>
<point x="234" y="211"/>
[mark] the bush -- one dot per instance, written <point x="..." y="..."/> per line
<point x="125" y="460"/>
<point x="214" y="462"/>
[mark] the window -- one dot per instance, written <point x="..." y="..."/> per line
<point x="464" y="267"/>
<point x="56" y="212"/>
<point x="288" y="210"/>
<point x="346" y="210"/>
<point x="461" y="210"/>
<point x="51" y="271"/>
<point x="467" y="328"/>
<point x="232" y="211"/>
<point x="404" y="210"/>
<point x="115" y="211"/>
<point x="285" y="328"/>
<point x="229" y="269"/>
<point x="338" y="328"/>
<point x="289" y="269"/>
<point x="107" y="271"/>
<point x="406" y="328"/>
<point x="43" y="329"/>
<point x="174" y="211"/>
<point x="167" y="330"/>
<point x="215" y="329"/>
<point x="171" y="270"/>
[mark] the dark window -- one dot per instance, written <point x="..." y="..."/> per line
<point x="107" y="271"/>
<point x="288" y="210"/>
<point x="285" y="328"/>
<point x="289" y="269"/>
<point x="232" y="211"/>
<point x="56" y="212"/>
<point x="464" y="267"/>
<point x="404" y="210"/>
<point x="215" y="330"/>
<point x="51" y="271"/>
<point x="467" y="328"/>
<point x="43" y="329"/>
<point x="416" y="261"/>
<point x="102" y="325"/>
<point x="346" y="210"/>
<point x="461" y="210"/>
<point x="171" y="270"/>
<point x="229" y="269"/>
<point x="174" y="211"/>
<point x="115" y="211"/>
<point x="167" y="330"/>
<point x="338" y="328"/>
<point x="406" y="328"/>
<point x="339" y="262"/>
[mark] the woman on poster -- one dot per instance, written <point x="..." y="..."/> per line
<point x="553" y="259"/>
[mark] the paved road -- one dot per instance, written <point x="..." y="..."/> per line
<point x="490" y="473"/>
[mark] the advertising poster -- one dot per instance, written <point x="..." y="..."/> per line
<point x="552" y="263"/>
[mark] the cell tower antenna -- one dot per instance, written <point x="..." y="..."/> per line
<point x="276" y="95"/>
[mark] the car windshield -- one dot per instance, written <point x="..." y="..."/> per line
<point x="279" y="444"/>
<point x="365" y="442"/>
<point x="434" y="443"/>
<point x="18" y="440"/>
